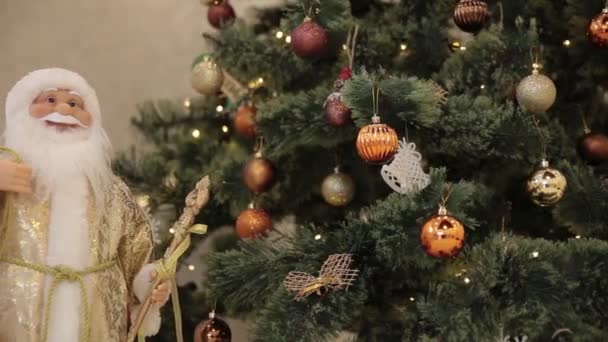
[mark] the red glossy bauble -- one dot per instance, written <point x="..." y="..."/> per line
<point x="594" y="148"/>
<point x="471" y="15"/>
<point x="220" y="14"/>
<point x="309" y="40"/>
<point x="244" y="121"/>
<point x="336" y="113"/>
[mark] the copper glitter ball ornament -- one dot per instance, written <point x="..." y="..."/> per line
<point x="598" y="29"/>
<point x="213" y="330"/>
<point x="471" y="15"/>
<point x="546" y="186"/>
<point x="244" y="121"/>
<point x="220" y="13"/>
<point x="253" y="223"/>
<point x="442" y="236"/>
<point x="309" y="40"/>
<point x="258" y="174"/>
<point x="377" y="143"/>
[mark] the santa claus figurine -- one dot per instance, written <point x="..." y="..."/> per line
<point x="73" y="256"/>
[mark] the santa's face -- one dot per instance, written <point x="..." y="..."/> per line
<point x="61" y="109"/>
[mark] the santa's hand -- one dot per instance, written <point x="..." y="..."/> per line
<point x="160" y="295"/>
<point x="15" y="177"/>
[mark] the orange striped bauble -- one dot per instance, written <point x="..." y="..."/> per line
<point x="377" y="143"/>
<point x="471" y="15"/>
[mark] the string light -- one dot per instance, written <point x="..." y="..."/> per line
<point x="187" y="103"/>
<point x="196" y="133"/>
<point x="318" y="237"/>
<point x="344" y="47"/>
<point x="467" y="280"/>
<point x="567" y="43"/>
<point x="257" y="83"/>
<point x="578" y="236"/>
<point x="191" y="267"/>
<point x="412" y="299"/>
<point x="219" y="108"/>
<point x="171" y="230"/>
<point x="457" y="46"/>
<point x="288" y="39"/>
<point x="280" y="35"/>
<point x="403" y="46"/>
<point x="225" y="129"/>
<point x="483" y="86"/>
<point x="535" y="254"/>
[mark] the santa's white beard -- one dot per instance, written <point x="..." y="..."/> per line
<point x="66" y="166"/>
<point x="57" y="157"/>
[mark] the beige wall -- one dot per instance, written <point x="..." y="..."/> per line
<point x="129" y="50"/>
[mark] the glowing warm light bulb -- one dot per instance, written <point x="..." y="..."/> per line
<point x="280" y="35"/>
<point x="225" y="129"/>
<point x="191" y="267"/>
<point x="196" y="133"/>
<point x="219" y="108"/>
<point x="535" y="254"/>
<point x="403" y="46"/>
<point x="288" y="39"/>
<point x="567" y="43"/>
<point x="467" y="280"/>
<point x="171" y="230"/>
<point x="318" y="237"/>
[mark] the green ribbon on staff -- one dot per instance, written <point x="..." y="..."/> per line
<point x="166" y="268"/>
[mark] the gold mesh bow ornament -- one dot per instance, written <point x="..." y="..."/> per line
<point x="335" y="275"/>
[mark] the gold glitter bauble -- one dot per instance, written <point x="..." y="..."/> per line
<point x="338" y="189"/>
<point x="377" y="143"/>
<point x="536" y="93"/>
<point x="598" y="29"/>
<point x="442" y="236"/>
<point x="207" y="77"/>
<point x="546" y="186"/>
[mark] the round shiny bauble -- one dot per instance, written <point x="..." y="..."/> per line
<point x="536" y="93"/>
<point x="338" y="189"/>
<point x="252" y="223"/>
<point x="598" y="29"/>
<point x="258" y="174"/>
<point x="593" y="147"/>
<point x="377" y="143"/>
<point x="336" y="113"/>
<point x="471" y="15"/>
<point x="212" y="330"/>
<point x="220" y="13"/>
<point x="309" y="40"/>
<point x="442" y="236"/>
<point x="244" y="121"/>
<point x="207" y="77"/>
<point x="546" y="186"/>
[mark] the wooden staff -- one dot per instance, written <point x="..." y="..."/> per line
<point x="195" y="201"/>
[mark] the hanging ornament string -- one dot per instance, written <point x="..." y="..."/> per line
<point x="502" y="15"/>
<point x="259" y="146"/>
<point x="535" y="57"/>
<point x="445" y="196"/>
<point x="351" y="44"/>
<point x="375" y="105"/>
<point x="541" y="135"/>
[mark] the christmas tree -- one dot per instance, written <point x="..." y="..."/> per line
<point x="492" y="227"/>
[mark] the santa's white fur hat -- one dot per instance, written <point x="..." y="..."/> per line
<point x="29" y="87"/>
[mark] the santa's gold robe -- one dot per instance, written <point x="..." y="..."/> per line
<point x="121" y="234"/>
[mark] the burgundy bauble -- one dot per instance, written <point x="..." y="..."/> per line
<point x="336" y="113"/>
<point x="309" y="40"/>
<point x="471" y="15"/>
<point x="593" y="147"/>
<point x="220" y="14"/>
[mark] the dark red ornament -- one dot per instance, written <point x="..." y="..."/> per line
<point x="471" y="15"/>
<point x="220" y="14"/>
<point x="309" y="40"/>
<point x="593" y="147"/>
<point x="598" y="29"/>
<point x="345" y="74"/>
<point x="336" y="113"/>
<point x="244" y="121"/>
<point x="212" y="330"/>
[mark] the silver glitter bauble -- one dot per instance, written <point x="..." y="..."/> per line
<point x="536" y="93"/>
<point x="207" y="77"/>
<point x="546" y="186"/>
<point x="338" y="189"/>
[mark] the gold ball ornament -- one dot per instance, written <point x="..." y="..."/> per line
<point x="258" y="174"/>
<point x="253" y="223"/>
<point x="546" y="186"/>
<point x="207" y="77"/>
<point x="377" y="143"/>
<point x="598" y="29"/>
<point x="442" y="236"/>
<point x="338" y="189"/>
<point x="212" y="330"/>
<point x="536" y="93"/>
